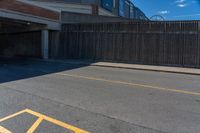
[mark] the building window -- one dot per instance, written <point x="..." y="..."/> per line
<point x="107" y="4"/>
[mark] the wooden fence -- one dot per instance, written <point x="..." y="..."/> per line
<point x="137" y="26"/>
<point x="156" y="43"/>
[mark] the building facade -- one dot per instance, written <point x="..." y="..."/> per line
<point x="121" y="8"/>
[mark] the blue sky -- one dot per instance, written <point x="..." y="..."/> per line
<point x="171" y="9"/>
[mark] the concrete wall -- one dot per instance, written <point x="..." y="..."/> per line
<point x="67" y="17"/>
<point x="97" y="2"/>
<point x="75" y="7"/>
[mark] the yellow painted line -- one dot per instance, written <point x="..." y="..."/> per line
<point x="3" y="130"/>
<point x="56" y="122"/>
<point x="13" y="115"/>
<point x="35" y="125"/>
<point x="131" y="84"/>
<point x="41" y="117"/>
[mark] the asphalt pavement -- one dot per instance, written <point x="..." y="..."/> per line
<point x="53" y="97"/>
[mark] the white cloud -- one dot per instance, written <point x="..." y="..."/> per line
<point x="163" y="12"/>
<point x="182" y="5"/>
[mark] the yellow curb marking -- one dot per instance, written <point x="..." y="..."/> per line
<point x="3" y="130"/>
<point x="131" y="84"/>
<point x="41" y="117"/>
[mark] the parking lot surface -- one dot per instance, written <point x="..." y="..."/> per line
<point x="49" y="97"/>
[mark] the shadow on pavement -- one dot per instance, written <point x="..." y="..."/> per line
<point x="22" y="68"/>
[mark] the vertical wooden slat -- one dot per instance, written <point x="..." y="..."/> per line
<point x="157" y="43"/>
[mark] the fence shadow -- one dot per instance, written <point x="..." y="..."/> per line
<point x="23" y="68"/>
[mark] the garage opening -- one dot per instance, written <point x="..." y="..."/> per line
<point x="20" y="39"/>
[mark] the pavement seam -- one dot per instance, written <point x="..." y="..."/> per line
<point x="75" y="107"/>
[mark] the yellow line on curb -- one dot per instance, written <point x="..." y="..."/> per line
<point x="131" y="84"/>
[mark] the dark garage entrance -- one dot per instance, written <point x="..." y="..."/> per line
<point x="20" y="39"/>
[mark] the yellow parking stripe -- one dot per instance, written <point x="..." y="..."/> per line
<point x="3" y="130"/>
<point x="35" y="125"/>
<point x="131" y="84"/>
<point x="13" y="115"/>
<point x="57" y="122"/>
<point x="41" y="117"/>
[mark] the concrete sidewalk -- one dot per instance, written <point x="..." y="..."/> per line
<point x="179" y="70"/>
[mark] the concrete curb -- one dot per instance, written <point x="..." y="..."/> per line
<point x="153" y="70"/>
